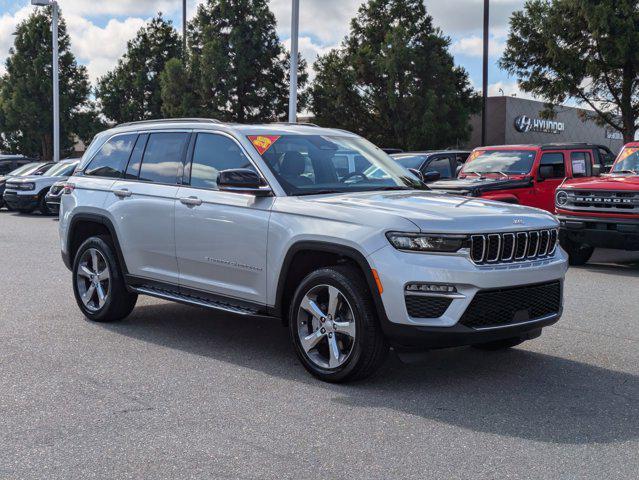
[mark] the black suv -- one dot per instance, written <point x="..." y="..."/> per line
<point x="446" y="163"/>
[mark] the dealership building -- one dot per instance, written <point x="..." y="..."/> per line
<point x="512" y="120"/>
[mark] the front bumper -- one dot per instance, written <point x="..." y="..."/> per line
<point x="20" y="202"/>
<point x="603" y="232"/>
<point x="397" y="269"/>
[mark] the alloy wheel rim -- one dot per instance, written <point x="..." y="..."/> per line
<point x="326" y="327"/>
<point x="93" y="279"/>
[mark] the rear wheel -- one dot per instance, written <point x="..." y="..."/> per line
<point x="334" y="327"/>
<point x="578" y="253"/>
<point x="98" y="283"/>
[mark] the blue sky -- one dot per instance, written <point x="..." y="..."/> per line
<point x="100" y="29"/>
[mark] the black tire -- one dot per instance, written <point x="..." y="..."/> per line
<point x="500" y="344"/>
<point x="42" y="204"/>
<point x="369" y="348"/>
<point x="119" y="301"/>
<point x="578" y="253"/>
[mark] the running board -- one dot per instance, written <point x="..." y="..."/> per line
<point x="199" y="302"/>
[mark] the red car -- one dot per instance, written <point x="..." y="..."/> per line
<point x="601" y="211"/>
<point x="524" y="174"/>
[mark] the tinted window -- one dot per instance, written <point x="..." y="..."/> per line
<point x="556" y="160"/>
<point x="212" y="154"/>
<point x="111" y="160"/>
<point x="133" y="169"/>
<point x="410" y="161"/>
<point x="163" y="157"/>
<point x="441" y="165"/>
<point x="6" y="167"/>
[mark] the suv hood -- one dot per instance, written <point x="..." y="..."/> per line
<point x="438" y="212"/>
<point x="474" y="186"/>
<point x="605" y="182"/>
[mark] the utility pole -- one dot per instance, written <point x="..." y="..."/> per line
<point x="484" y="106"/>
<point x="184" y="31"/>
<point x="295" y="29"/>
<point x="55" y="13"/>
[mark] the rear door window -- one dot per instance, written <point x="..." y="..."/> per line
<point x="111" y="159"/>
<point x="556" y="161"/>
<point x="163" y="157"/>
<point x="440" y="165"/>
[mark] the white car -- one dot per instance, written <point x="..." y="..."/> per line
<point x="28" y="193"/>
<point x="257" y="220"/>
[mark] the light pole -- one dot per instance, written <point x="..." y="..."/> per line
<point x="295" y="30"/>
<point x="184" y="30"/>
<point x="484" y="105"/>
<point x="56" y="74"/>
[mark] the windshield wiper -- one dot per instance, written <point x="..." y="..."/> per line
<point x="634" y="172"/>
<point x="319" y="192"/>
<point x="500" y="173"/>
<point x="476" y="173"/>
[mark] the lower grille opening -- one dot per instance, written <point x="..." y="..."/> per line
<point x="426" y="307"/>
<point x="495" y="308"/>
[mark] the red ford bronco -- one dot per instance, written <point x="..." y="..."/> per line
<point x="525" y="174"/>
<point x="601" y="211"/>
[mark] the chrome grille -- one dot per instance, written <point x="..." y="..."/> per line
<point x="494" y="248"/>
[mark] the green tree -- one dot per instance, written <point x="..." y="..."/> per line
<point x="394" y="81"/>
<point x="131" y="91"/>
<point x="26" y="99"/>
<point x="236" y="67"/>
<point x="587" y="50"/>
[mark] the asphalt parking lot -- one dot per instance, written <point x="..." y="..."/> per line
<point x="178" y="392"/>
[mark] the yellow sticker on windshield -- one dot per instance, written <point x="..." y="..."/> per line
<point x="474" y="155"/>
<point x="263" y="142"/>
<point x="626" y="152"/>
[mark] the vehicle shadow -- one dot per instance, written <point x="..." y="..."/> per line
<point x="615" y="262"/>
<point x="516" y="393"/>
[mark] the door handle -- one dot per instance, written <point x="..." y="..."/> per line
<point x="122" y="193"/>
<point x="191" y="201"/>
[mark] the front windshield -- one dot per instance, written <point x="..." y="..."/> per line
<point x="410" y="161"/>
<point x="509" y="162"/>
<point x="29" y="167"/>
<point x="314" y="164"/>
<point x="61" y="170"/>
<point x="628" y="161"/>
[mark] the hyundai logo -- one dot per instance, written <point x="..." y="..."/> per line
<point x="523" y="123"/>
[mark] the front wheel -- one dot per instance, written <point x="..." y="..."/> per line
<point x="334" y="326"/>
<point x="98" y="283"/>
<point x="578" y="253"/>
<point x="42" y="204"/>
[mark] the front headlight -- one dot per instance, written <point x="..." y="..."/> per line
<point x="27" y="186"/>
<point x="426" y="242"/>
<point x="561" y="198"/>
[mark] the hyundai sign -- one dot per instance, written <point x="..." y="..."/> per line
<point x="525" y="124"/>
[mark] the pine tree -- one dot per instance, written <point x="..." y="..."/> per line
<point x="394" y="81"/>
<point x="132" y="90"/>
<point x="26" y="98"/>
<point x="236" y="67"/>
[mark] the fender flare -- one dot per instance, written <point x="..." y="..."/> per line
<point x="95" y="218"/>
<point x="335" y="248"/>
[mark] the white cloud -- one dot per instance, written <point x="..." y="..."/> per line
<point x="473" y="46"/>
<point x="509" y="89"/>
<point x="309" y="51"/>
<point x="118" y="7"/>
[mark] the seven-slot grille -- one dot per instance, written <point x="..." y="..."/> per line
<point x="512" y="247"/>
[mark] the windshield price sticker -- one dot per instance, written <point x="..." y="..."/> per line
<point x="263" y="142"/>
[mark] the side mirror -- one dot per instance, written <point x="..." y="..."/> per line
<point x="242" y="180"/>
<point x="596" y="170"/>
<point x="432" y="176"/>
<point x="417" y="173"/>
<point x="546" y="171"/>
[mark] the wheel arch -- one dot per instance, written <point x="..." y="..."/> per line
<point x="330" y="254"/>
<point x="85" y="225"/>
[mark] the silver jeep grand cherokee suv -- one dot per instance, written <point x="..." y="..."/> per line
<point x="354" y="257"/>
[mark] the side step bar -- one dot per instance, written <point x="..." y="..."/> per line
<point x="199" y="302"/>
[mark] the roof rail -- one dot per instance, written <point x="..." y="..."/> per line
<point x="170" y="120"/>
<point x="305" y="124"/>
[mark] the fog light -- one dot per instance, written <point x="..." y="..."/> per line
<point x="431" y="288"/>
